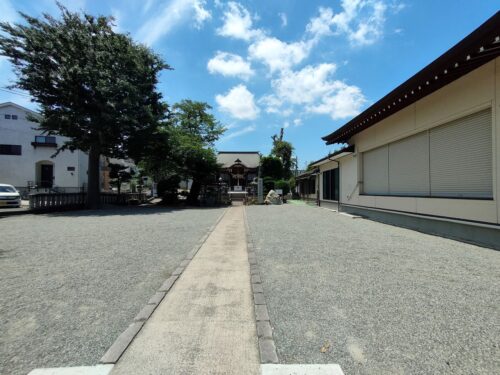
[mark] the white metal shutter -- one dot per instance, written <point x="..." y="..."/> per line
<point x="461" y="157"/>
<point x="409" y="166"/>
<point x="376" y="171"/>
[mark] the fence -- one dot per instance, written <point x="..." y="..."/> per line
<point x="54" y="201"/>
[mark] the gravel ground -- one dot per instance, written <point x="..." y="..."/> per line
<point x="70" y="283"/>
<point x="377" y="298"/>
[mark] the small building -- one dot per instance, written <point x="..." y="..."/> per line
<point x="306" y="185"/>
<point x="238" y="169"/>
<point x="26" y="155"/>
<point x="427" y="155"/>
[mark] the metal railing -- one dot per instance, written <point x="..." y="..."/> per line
<point x="54" y="201"/>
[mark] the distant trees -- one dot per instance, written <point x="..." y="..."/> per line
<point x="185" y="146"/>
<point x="284" y="151"/>
<point x="276" y="169"/>
<point x="120" y="173"/>
<point x="98" y="88"/>
<point x="93" y="85"/>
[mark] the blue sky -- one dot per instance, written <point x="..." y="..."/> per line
<point x="307" y="66"/>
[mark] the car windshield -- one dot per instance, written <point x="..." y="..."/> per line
<point x="7" y="189"/>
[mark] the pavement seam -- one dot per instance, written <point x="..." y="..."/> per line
<point x="116" y="350"/>
<point x="267" y="347"/>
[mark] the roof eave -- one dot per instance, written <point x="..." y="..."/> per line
<point x="475" y="50"/>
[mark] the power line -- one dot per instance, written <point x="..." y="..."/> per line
<point x="15" y="92"/>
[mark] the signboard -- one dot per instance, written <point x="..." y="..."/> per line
<point x="279" y="191"/>
<point x="238" y="188"/>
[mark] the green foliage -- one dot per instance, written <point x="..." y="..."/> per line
<point x="167" y="189"/>
<point x="268" y="183"/>
<point x="292" y="182"/>
<point x="119" y="173"/>
<point x="168" y="185"/>
<point x="283" y="150"/>
<point x="93" y="85"/>
<point x="184" y="146"/>
<point x="271" y="166"/>
<point x="194" y="120"/>
<point x="283" y="185"/>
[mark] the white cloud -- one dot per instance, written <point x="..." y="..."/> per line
<point x="306" y="85"/>
<point x="230" y="65"/>
<point x="239" y="103"/>
<point x="238" y="133"/>
<point x="279" y="55"/>
<point x="238" y="23"/>
<point x="8" y="12"/>
<point x="314" y="88"/>
<point x="200" y="13"/>
<point x="147" y="5"/>
<point x="173" y="14"/>
<point x="345" y="101"/>
<point x="361" y="21"/>
<point x="284" y="19"/>
<point x="272" y="103"/>
<point x="320" y="26"/>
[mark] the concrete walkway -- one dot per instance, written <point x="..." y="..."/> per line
<point x="205" y="324"/>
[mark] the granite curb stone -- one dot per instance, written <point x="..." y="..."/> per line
<point x="267" y="351"/>
<point x="116" y="350"/>
<point x="123" y="341"/>
<point x="157" y="298"/>
<point x="145" y="313"/>
<point x="267" y="348"/>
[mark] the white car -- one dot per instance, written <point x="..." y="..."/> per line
<point x="9" y="196"/>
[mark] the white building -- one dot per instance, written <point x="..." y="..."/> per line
<point x="26" y="155"/>
<point x="427" y="155"/>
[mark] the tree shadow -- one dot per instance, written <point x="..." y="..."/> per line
<point x="126" y="211"/>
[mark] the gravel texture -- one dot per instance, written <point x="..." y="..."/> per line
<point x="70" y="283"/>
<point x="375" y="298"/>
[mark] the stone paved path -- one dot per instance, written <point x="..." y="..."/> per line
<point x="205" y="324"/>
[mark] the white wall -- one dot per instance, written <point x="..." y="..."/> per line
<point x="17" y="170"/>
<point x="473" y="92"/>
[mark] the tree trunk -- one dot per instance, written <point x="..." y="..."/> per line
<point x="94" y="188"/>
<point x="194" y="192"/>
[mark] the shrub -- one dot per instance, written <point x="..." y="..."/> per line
<point x="167" y="189"/>
<point x="283" y="185"/>
<point x="268" y="183"/>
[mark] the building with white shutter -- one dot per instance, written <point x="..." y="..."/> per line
<point x="427" y="155"/>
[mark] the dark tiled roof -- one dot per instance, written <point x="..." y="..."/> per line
<point x="479" y="47"/>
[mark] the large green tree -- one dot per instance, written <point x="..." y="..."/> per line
<point x="195" y="130"/>
<point x="93" y="85"/>
<point x="185" y="146"/>
<point x="284" y="151"/>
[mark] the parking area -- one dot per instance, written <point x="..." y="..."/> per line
<point x="375" y="298"/>
<point x="71" y="282"/>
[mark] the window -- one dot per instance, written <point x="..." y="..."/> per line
<point x="331" y="184"/>
<point x="45" y="139"/>
<point x="454" y="160"/>
<point x="14" y="117"/>
<point x="7" y="117"/>
<point x="71" y="169"/>
<point x="10" y="149"/>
